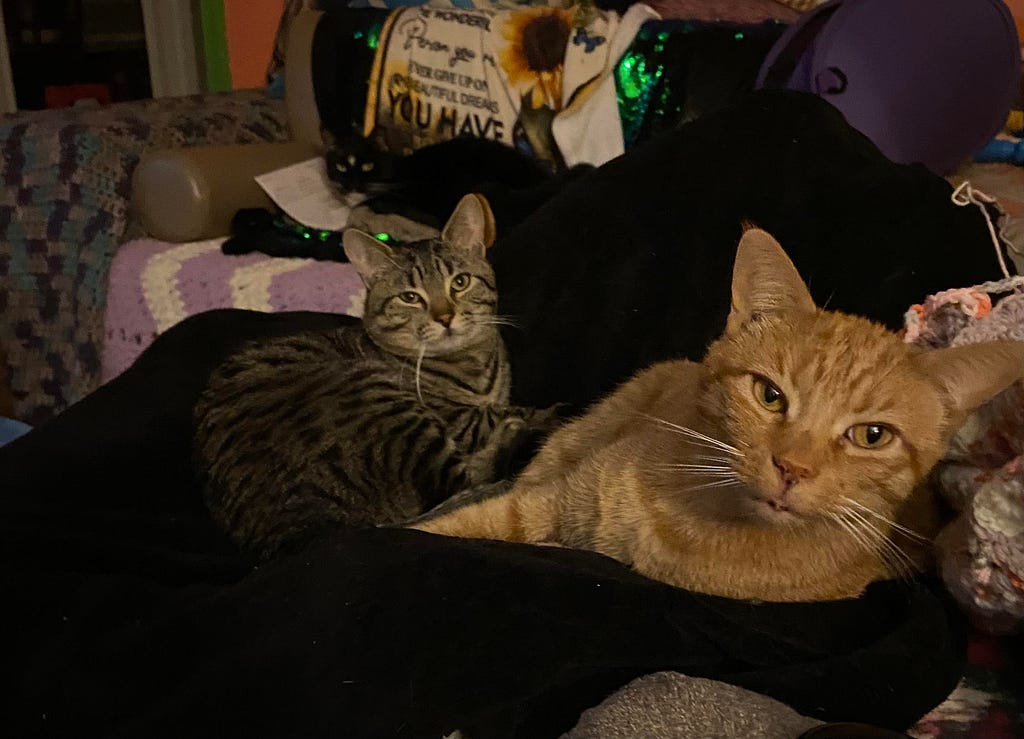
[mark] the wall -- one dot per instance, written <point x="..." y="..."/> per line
<point x="1017" y="9"/>
<point x="249" y="27"/>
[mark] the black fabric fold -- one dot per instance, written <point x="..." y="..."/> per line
<point x="127" y="613"/>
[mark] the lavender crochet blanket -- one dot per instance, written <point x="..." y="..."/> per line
<point x="154" y="285"/>
<point x="63" y="213"/>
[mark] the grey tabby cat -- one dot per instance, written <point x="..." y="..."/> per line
<point x="367" y="425"/>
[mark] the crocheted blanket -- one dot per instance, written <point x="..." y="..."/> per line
<point x="63" y="213"/>
<point x="981" y="553"/>
<point x="154" y="285"/>
<point x="982" y="475"/>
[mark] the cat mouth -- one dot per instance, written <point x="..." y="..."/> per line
<point x="446" y="335"/>
<point x="774" y="510"/>
<point x="445" y="341"/>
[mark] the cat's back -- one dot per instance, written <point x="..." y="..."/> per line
<point x="271" y="385"/>
<point x="666" y="392"/>
<point x="298" y="356"/>
<point x="620" y="427"/>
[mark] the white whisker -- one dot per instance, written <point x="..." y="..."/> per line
<point x="909" y="533"/>
<point x="709" y="475"/>
<point x="853" y="532"/>
<point x="859" y="522"/>
<point x="494" y="320"/>
<point x="899" y="559"/>
<point x="725" y="483"/>
<point x="698" y="467"/>
<point x="712" y="458"/>
<point x="877" y="544"/>
<point x="419" y="366"/>
<point x="696" y="436"/>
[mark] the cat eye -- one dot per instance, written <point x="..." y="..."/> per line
<point x="460" y="281"/>
<point x="769" y="396"/>
<point x="870" y="435"/>
<point x="409" y="297"/>
<point x="367" y="166"/>
<point x="341" y="167"/>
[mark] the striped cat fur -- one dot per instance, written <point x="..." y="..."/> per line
<point x="367" y="425"/>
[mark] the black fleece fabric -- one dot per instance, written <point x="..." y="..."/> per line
<point x="127" y="613"/>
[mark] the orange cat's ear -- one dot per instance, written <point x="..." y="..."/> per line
<point x="971" y="375"/>
<point x="764" y="280"/>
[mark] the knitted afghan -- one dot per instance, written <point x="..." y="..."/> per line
<point x="64" y="210"/>
<point x="981" y="553"/>
<point x="155" y="285"/>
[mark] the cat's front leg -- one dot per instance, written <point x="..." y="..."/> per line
<point x="521" y="515"/>
<point x="493" y="460"/>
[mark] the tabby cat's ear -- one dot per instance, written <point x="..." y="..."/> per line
<point x="764" y="280"/>
<point x="973" y="374"/>
<point x="366" y="253"/>
<point x="471" y="225"/>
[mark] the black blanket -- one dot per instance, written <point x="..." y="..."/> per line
<point x="127" y="613"/>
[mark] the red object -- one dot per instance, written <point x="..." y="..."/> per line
<point x="64" y="96"/>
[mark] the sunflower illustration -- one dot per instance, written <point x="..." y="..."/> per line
<point x="535" y="51"/>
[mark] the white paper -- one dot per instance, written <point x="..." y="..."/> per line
<point x="303" y="192"/>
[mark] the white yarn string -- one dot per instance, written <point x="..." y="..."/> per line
<point x="965" y="194"/>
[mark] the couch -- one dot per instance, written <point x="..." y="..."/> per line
<point x="66" y="210"/>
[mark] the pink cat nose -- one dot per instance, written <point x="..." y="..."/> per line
<point x="445" y="319"/>
<point x="790" y="471"/>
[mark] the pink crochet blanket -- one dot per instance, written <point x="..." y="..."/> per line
<point x="981" y="553"/>
<point x="154" y="285"/>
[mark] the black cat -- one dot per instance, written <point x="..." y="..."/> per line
<point x="426" y="184"/>
<point x="422" y="186"/>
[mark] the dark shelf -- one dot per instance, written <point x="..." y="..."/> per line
<point x="61" y="43"/>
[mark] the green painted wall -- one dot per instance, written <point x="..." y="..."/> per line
<point x="215" y="45"/>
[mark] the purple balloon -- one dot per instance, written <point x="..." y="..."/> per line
<point x="928" y="81"/>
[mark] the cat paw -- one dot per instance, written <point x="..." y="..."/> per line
<point x="550" y="418"/>
<point x="511" y="425"/>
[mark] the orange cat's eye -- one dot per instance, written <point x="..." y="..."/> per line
<point x="870" y="435"/>
<point x="769" y="396"/>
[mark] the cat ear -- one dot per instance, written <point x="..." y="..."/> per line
<point x="973" y="374"/>
<point x="471" y="225"/>
<point x="379" y="138"/>
<point x="764" y="279"/>
<point x="367" y="254"/>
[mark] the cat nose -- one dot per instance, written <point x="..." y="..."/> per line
<point x="791" y="471"/>
<point x="445" y="319"/>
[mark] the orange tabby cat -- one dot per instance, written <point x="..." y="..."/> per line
<point x="787" y="466"/>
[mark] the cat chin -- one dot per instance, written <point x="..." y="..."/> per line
<point x="769" y="511"/>
<point x="765" y="513"/>
<point x="446" y="346"/>
<point x="457" y="339"/>
<point x="441" y="344"/>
